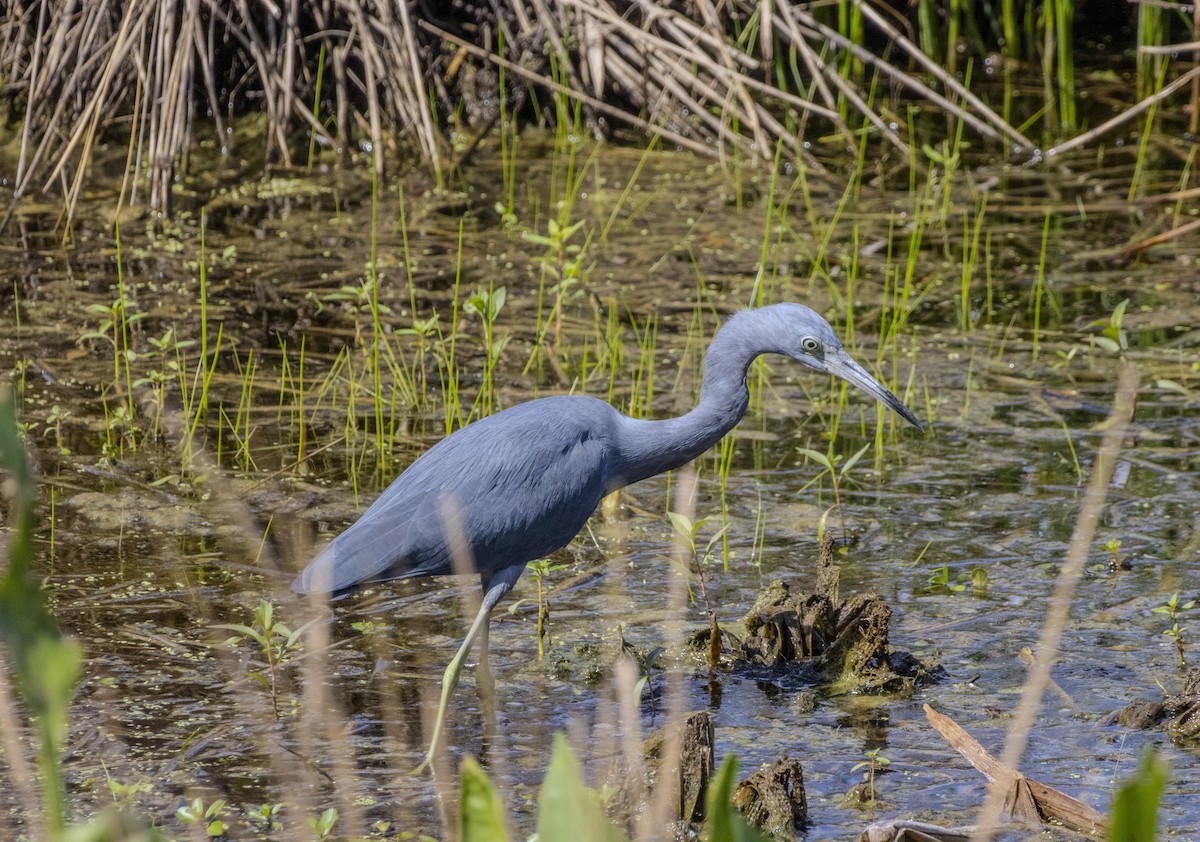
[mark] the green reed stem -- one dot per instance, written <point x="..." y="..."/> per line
<point x="1147" y="127"/>
<point x="316" y="107"/>
<point x="123" y="304"/>
<point x="1040" y="287"/>
<point x="382" y="437"/>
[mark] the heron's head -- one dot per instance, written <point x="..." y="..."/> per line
<point x="808" y="338"/>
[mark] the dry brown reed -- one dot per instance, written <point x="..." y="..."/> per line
<point x="1059" y="610"/>
<point x="159" y="75"/>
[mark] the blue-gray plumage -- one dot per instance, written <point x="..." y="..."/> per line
<point x="512" y="488"/>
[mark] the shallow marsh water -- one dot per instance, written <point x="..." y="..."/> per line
<point x="142" y="562"/>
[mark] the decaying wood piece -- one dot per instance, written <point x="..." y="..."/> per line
<point x="838" y="640"/>
<point x="1180" y="711"/>
<point x="773" y="800"/>
<point x="1027" y="801"/>
<point x="906" y="830"/>
<point x="692" y="769"/>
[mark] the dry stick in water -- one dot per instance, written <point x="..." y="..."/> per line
<point x="1127" y="114"/>
<point x="948" y="80"/>
<point x="1060" y="604"/>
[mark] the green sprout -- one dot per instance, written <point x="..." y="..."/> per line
<point x="1112" y="336"/>
<point x="267" y="814"/>
<point x="539" y="570"/>
<point x="942" y="582"/>
<point x="210" y="816"/>
<point x="1114" y="547"/>
<point x="275" y="640"/>
<point x="1173" y="609"/>
<point x="322" y="825"/>
<point x="837" y="472"/>
<point x="874" y="762"/>
<point x="687" y="531"/>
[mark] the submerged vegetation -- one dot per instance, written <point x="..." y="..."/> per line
<point x="370" y="225"/>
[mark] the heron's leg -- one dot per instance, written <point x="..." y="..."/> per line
<point x="450" y="681"/>
<point x="485" y="684"/>
<point x="496" y="585"/>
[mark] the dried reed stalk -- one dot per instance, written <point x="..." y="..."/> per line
<point x="753" y="77"/>
<point x="1059" y="609"/>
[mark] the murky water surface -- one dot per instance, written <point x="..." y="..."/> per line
<point x="142" y="557"/>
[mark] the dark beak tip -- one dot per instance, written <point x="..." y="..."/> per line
<point x="911" y="417"/>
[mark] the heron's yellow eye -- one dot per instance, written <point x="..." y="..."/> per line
<point x="809" y="344"/>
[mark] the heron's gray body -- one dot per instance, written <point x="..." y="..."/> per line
<point x="512" y="488"/>
<point x="520" y="484"/>
<point x="516" y="486"/>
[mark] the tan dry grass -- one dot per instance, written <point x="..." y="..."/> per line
<point x="156" y="72"/>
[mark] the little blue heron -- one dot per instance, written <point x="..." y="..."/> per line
<point x="518" y="485"/>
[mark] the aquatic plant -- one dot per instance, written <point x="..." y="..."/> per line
<point x="267" y="815"/>
<point x="126" y="795"/>
<point x="538" y="571"/>
<point x="275" y="641"/>
<point x="875" y="763"/>
<point x="686" y="532"/>
<point x="941" y="582"/>
<point x="1111" y="337"/>
<point x="196" y="812"/>
<point x="116" y="320"/>
<point x="1173" y="608"/>
<point x="487" y="304"/>
<point x="562" y="263"/>
<point x="323" y="824"/>
<point x="45" y="662"/>
<point x="838" y="470"/>
<point x="568" y="809"/>
<point x="195" y="382"/>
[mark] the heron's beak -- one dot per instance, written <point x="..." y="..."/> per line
<point x="846" y="368"/>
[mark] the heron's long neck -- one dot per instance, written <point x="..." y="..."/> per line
<point x="652" y="447"/>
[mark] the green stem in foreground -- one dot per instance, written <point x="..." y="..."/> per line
<point x="47" y="665"/>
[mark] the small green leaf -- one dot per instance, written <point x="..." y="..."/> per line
<point x="1172" y="386"/>
<point x="1105" y="343"/>
<point x="536" y="239"/>
<point x="820" y="458"/>
<point x="853" y="460"/>
<point x="190" y="813"/>
<point x="720" y="533"/>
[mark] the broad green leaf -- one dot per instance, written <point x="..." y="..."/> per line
<point x="567" y="810"/>
<point x="1135" y="807"/>
<point x="480" y="810"/>
<point x="725" y="824"/>
<point x="682" y="524"/>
